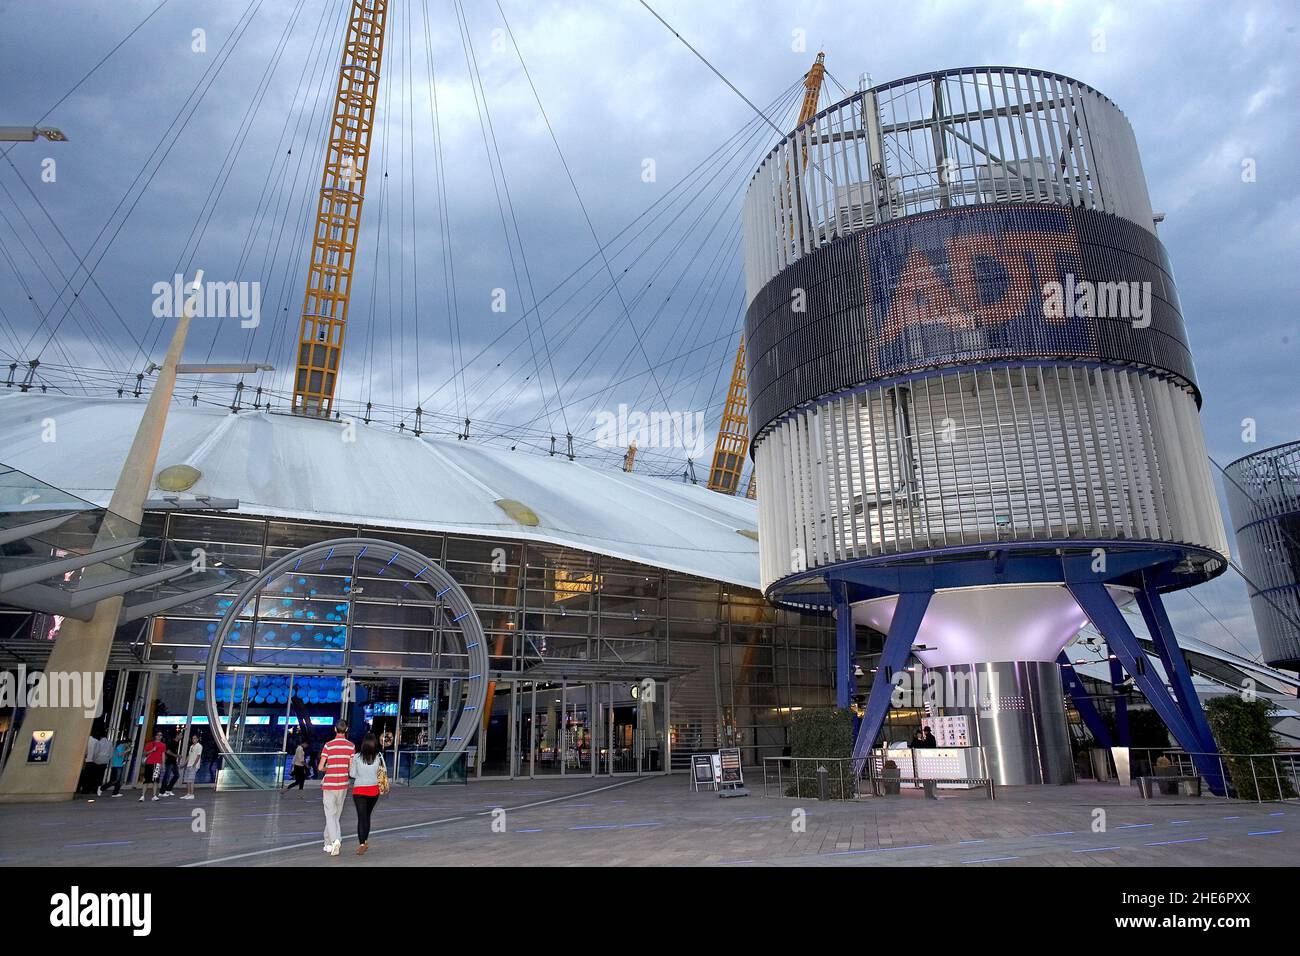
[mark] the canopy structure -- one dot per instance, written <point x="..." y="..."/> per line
<point x="281" y="465"/>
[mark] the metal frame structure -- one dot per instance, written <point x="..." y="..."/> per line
<point x="338" y="213"/>
<point x="928" y="428"/>
<point x="449" y="600"/>
<point x="959" y="137"/>
<point x="1263" y="491"/>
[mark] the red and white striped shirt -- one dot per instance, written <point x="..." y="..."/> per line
<point x="338" y="758"/>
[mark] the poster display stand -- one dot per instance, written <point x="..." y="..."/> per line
<point x="731" y="781"/>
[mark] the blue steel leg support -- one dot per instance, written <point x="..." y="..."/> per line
<point x="1180" y="676"/>
<point x="1122" y="736"/>
<point x="898" y="645"/>
<point x="844" y="641"/>
<point x="1083" y="704"/>
<point x="1106" y="618"/>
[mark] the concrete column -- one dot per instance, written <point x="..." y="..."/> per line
<point x="83" y="647"/>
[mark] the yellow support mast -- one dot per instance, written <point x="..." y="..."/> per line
<point x="733" y="433"/>
<point x="338" y="214"/>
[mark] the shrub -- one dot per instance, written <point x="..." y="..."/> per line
<point x="826" y="734"/>
<point x="1244" y="727"/>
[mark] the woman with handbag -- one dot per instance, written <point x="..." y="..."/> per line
<point x="369" y="781"/>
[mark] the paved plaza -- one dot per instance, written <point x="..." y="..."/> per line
<point x="658" y="821"/>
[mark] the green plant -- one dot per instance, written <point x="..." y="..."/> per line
<point x="826" y="734"/>
<point x="1244" y="729"/>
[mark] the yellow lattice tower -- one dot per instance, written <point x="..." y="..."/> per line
<point x="733" y="435"/>
<point x="338" y="214"/>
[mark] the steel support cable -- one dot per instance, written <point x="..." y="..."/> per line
<point x="703" y="296"/>
<point x="489" y="132"/>
<point x="1227" y="630"/>
<point x="94" y="69"/>
<point x="691" y="202"/>
<point x="455" y="342"/>
<point x="400" y="345"/>
<point x="725" y="210"/>
<point x="742" y="154"/>
<point x="9" y="332"/>
<point x="313" y="121"/>
<point x="733" y="308"/>
<point x="93" y="337"/>
<point x="388" y="232"/>
<point x="716" y="72"/>
<point x="746" y="163"/>
<point x="264" y="212"/>
<point x="273" y="215"/>
<point x="705" y="307"/>
<point x="368" y="354"/>
<point x="639" y="374"/>
<point x="208" y="208"/>
<point x="528" y="275"/>
<point x="581" y="205"/>
<point x="688" y="201"/>
<point x="63" y="236"/>
<point x="31" y="295"/>
<point x="209" y="75"/>
<point x="668" y="194"/>
<point x="415" y="232"/>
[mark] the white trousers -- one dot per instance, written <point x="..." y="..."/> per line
<point x="334" y="800"/>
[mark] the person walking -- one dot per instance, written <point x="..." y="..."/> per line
<point x="87" y="783"/>
<point x="335" y="762"/>
<point x="155" y="751"/>
<point x="299" y="769"/>
<point x="171" y="773"/>
<point x="190" y="773"/>
<point x="103" y="756"/>
<point x="116" y="769"/>
<point x="366" y="770"/>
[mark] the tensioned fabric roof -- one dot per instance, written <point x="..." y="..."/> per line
<point x="279" y="465"/>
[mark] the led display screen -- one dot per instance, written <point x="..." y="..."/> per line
<point x="962" y="287"/>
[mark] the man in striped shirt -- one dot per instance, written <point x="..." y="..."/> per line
<point x="335" y="759"/>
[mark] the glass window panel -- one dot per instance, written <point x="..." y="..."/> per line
<point x="285" y="535"/>
<point x="214" y="528"/>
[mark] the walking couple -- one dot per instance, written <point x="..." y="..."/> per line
<point x="339" y="761"/>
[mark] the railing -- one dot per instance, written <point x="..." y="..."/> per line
<point x="799" y="777"/>
<point x="1258" y="777"/>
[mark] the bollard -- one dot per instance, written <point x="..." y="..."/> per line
<point x="823" y="784"/>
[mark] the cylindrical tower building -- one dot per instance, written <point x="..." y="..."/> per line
<point x="973" y="412"/>
<point x="1264" y="502"/>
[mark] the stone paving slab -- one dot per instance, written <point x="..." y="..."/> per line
<point x="660" y="821"/>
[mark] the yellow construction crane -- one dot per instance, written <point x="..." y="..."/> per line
<point x="733" y="433"/>
<point x="338" y="214"/>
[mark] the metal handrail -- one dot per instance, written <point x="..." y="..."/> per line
<point x="1284" y="784"/>
<point x="849" y="782"/>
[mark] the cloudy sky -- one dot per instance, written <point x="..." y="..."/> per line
<point x="196" y="143"/>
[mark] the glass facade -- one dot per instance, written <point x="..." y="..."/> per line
<point x="570" y="636"/>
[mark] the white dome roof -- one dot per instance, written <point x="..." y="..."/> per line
<point x="280" y="465"/>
